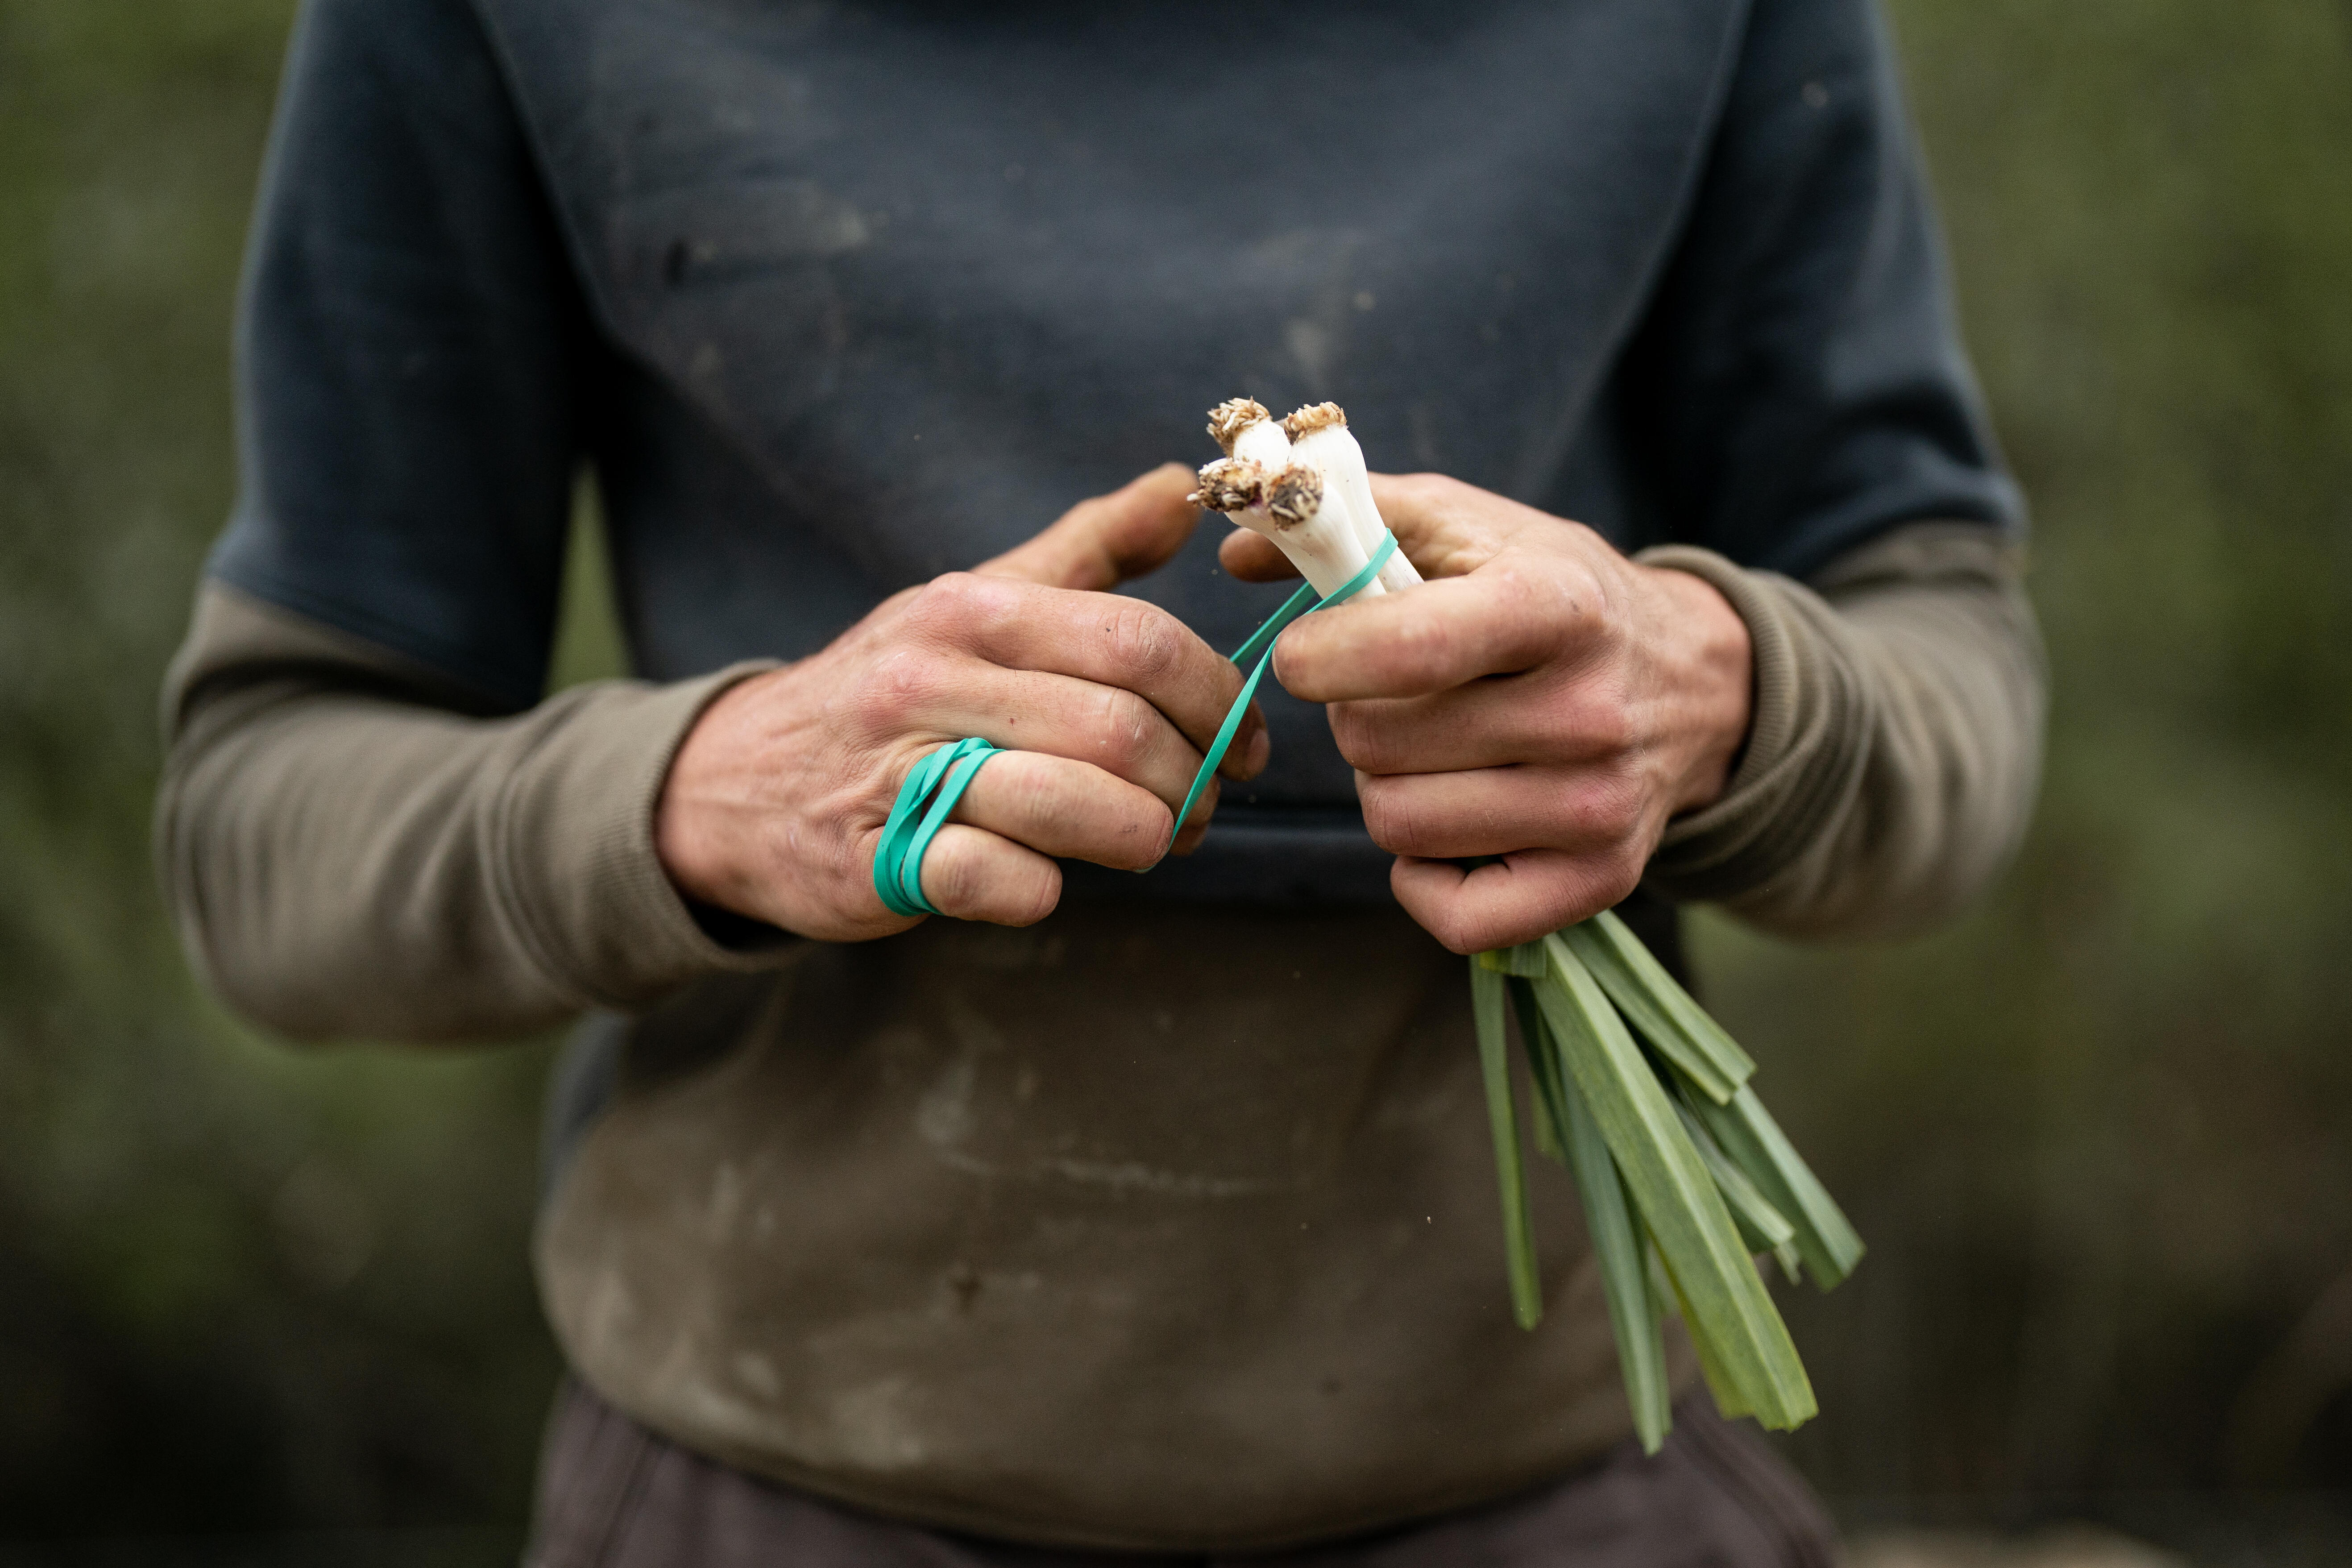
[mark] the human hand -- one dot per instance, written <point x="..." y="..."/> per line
<point x="777" y="797"/>
<point x="1541" y="698"/>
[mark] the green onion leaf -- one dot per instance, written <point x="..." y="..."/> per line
<point x="1624" y="1276"/>
<point x="1724" y="1302"/>
<point x="1749" y="1136"/>
<point x="1728" y="1399"/>
<point x="1652" y="1002"/>
<point x="1486" y="988"/>
<point x="1761" y="1225"/>
<point x="1543" y="1069"/>
<point x="1525" y="961"/>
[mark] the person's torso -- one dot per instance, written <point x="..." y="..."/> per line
<point x="1147" y="1228"/>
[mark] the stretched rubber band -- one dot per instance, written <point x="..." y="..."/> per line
<point x="934" y="784"/>
<point x="1260" y="647"/>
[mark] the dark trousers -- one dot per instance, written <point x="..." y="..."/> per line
<point x="614" y="1495"/>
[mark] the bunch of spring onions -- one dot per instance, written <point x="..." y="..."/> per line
<point x="1685" y="1176"/>
<point x="1302" y="483"/>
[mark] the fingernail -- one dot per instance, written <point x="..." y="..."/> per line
<point x="1261" y="748"/>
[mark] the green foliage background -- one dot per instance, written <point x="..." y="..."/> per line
<point x="2100" y="1135"/>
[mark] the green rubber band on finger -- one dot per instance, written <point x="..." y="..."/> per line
<point x="1260" y="647"/>
<point x="932" y="788"/>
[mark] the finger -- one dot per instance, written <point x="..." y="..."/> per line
<point x="1067" y="809"/>
<point x="1497" y="621"/>
<point x="1254" y="558"/>
<point x="1109" y="639"/>
<point x="1517" y="900"/>
<point x="1501" y="719"/>
<point x="1495" y="811"/>
<point x="1024" y="711"/>
<point x="976" y="876"/>
<point x="1104" y="541"/>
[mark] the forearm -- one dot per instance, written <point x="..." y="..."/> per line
<point x="1896" y="747"/>
<point x="345" y="853"/>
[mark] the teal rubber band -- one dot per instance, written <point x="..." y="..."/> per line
<point x="937" y="781"/>
<point x="1260" y="647"/>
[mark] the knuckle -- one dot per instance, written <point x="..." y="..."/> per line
<point x="1610" y="812"/>
<point x="1551" y="600"/>
<point x="954" y="605"/>
<point x="1022" y="895"/>
<point x="951" y="879"/>
<point x="1533" y="597"/>
<point x="1587" y="604"/>
<point x="1144" y="640"/>
<point x="1123" y="731"/>
<point x="1615" y="874"/>
<point x="898" y="685"/>
<point x="1058" y="811"/>
<point x="1357" y="735"/>
<point x="1595" y="814"/>
<point x="1458" y="933"/>
<point x="1394" y="821"/>
<point x="942" y="601"/>
<point x="1618" y="882"/>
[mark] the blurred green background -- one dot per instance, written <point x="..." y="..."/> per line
<point x="2100" y="1135"/>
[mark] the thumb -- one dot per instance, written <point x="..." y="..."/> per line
<point x="1443" y="527"/>
<point x="1254" y="558"/>
<point x="1447" y="528"/>
<point x="1102" y="542"/>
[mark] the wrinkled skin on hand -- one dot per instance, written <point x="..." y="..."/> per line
<point x="775" y="804"/>
<point x="1541" y="698"/>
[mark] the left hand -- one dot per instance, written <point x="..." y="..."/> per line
<point x="774" y="806"/>
<point x="1541" y="698"/>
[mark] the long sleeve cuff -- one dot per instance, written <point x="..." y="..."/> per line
<point x="1894" y="747"/>
<point x="348" y="851"/>
<point x="573" y="852"/>
<point x="1807" y="739"/>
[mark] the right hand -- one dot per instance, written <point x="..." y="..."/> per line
<point x="1105" y="704"/>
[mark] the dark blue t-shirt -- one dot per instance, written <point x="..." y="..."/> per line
<point x="835" y="298"/>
